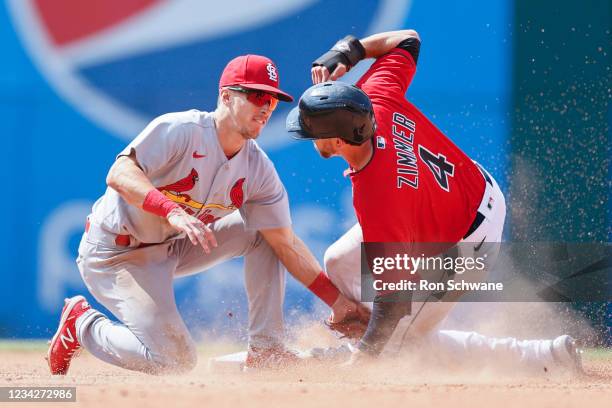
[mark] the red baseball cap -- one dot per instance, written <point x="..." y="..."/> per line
<point x="253" y="72"/>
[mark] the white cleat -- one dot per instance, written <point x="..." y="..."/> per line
<point x="567" y="354"/>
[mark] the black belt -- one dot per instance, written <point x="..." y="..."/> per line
<point x="479" y="216"/>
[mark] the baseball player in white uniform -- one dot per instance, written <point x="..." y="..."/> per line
<point x="192" y="190"/>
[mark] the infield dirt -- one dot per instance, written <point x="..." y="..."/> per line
<point x="101" y="385"/>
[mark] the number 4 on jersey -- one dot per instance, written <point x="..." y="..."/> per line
<point x="438" y="165"/>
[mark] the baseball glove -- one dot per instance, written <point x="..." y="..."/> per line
<point x="352" y="328"/>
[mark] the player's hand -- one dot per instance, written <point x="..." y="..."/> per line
<point x="321" y="74"/>
<point x="345" y="309"/>
<point x="195" y="229"/>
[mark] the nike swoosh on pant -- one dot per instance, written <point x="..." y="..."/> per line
<point x="477" y="247"/>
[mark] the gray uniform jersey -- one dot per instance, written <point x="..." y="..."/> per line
<point x="181" y="155"/>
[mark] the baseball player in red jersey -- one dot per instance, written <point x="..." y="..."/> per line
<point x="411" y="184"/>
<point x="192" y="190"/>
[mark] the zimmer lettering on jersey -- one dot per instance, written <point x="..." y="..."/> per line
<point x="403" y="131"/>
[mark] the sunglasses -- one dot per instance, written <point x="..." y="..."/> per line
<point x="257" y="98"/>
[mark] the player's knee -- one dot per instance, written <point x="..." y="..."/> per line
<point x="176" y="364"/>
<point x="179" y="356"/>
<point x="187" y="359"/>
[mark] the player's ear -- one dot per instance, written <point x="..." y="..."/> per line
<point x="224" y="96"/>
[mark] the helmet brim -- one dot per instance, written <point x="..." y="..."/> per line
<point x="293" y="125"/>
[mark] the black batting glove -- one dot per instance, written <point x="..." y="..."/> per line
<point x="348" y="51"/>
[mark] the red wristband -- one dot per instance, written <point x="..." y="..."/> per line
<point x="324" y="289"/>
<point x="157" y="203"/>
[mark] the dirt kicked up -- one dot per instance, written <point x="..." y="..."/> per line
<point x="389" y="384"/>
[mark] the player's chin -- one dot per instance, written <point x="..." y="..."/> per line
<point x="254" y="134"/>
<point x="324" y="154"/>
<point x="251" y="132"/>
<point x="255" y="130"/>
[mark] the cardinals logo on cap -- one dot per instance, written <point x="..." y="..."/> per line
<point x="272" y="72"/>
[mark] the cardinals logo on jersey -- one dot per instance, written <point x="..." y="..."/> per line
<point x="177" y="192"/>
<point x="184" y="184"/>
<point x="236" y="197"/>
<point x="237" y="194"/>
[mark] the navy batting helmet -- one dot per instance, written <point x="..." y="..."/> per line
<point x="333" y="109"/>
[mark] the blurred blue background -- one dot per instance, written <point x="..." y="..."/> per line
<point x="80" y="79"/>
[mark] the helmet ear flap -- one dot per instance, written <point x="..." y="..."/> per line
<point x="358" y="133"/>
<point x="361" y="134"/>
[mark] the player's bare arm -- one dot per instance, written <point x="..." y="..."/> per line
<point x="379" y="44"/>
<point x="374" y="46"/>
<point x="304" y="267"/>
<point x="127" y="178"/>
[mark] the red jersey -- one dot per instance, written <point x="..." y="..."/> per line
<point x="418" y="186"/>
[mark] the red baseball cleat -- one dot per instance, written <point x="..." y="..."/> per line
<point x="273" y="358"/>
<point x="64" y="344"/>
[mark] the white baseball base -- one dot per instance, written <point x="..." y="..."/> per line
<point x="234" y="363"/>
<point x="228" y="363"/>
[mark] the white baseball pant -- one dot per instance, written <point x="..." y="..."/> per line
<point x="343" y="265"/>
<point x="135" y="284"/>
